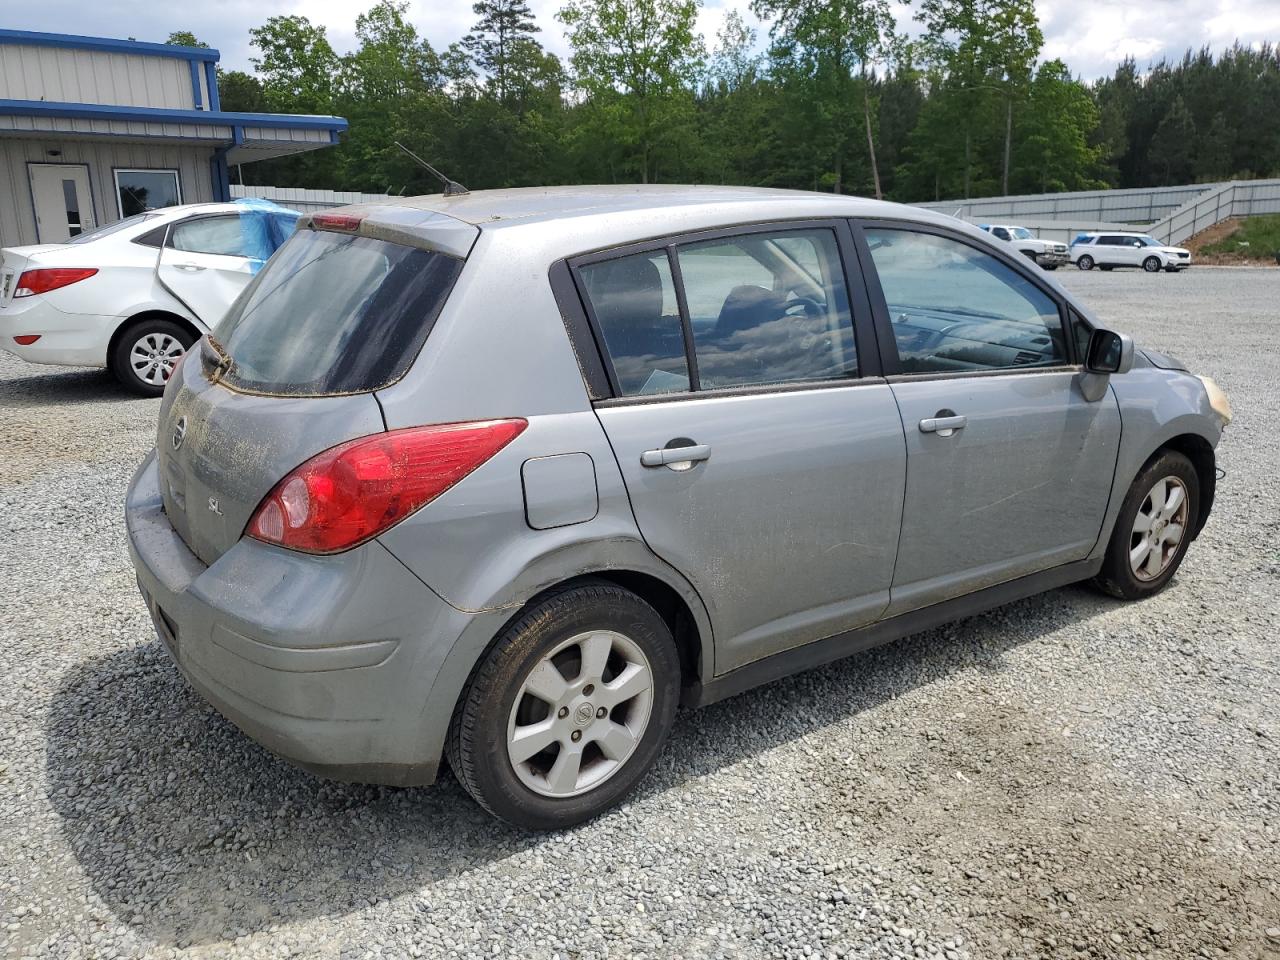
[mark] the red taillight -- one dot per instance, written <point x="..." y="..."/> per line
<point x="336" y="221"/>
<point x="356" y="490"/>
<point x="50" y="278"/>
<point x="27" y="339"/>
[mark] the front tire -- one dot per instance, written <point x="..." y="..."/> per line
<point x="1151" y="265"/>
<point x="1153" y="529"/>
<point x="568" y="710"/>
<point x="1085" y="262"/>
<point x="147" y="353"/>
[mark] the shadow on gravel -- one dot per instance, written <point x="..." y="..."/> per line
<point x="192" y="833"/>
<point x="89" y="385"/>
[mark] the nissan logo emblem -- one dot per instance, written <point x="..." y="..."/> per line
<point x="179" y="432"/>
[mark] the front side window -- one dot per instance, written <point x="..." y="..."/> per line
<point x="141" y="190"/>
<point x="218" y="235"/>
<point x="768" y="308"/>
<point x="955" y="309"/>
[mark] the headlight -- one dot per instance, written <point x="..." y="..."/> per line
<point x="1217" y="399"/>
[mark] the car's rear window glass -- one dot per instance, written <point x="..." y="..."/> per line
<point x="136" y="220"/>
<point x="333" y="313"/>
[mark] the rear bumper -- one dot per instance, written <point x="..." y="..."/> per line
<point x="325" y="661"/>
<point x="72" y="339"/>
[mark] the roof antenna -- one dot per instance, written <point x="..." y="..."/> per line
<point x="451" y="187"/>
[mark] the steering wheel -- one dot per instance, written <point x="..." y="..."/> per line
<point x="812" y="307"/>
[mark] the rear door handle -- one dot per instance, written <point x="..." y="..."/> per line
<point x="943" y="426"/>
<point x="677" y="458"/>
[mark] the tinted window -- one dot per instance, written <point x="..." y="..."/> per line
<point x="1001" y="233"/>
<point x="222" y="235"/>
<point x="332" y="313"/>
<point x="954" y="308"/>
<point x="634" y="302"/>
<point x="111" y="228"/>
<point x="768" y="308"/>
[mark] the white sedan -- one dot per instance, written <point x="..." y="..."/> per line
<point x="134" y="295"/>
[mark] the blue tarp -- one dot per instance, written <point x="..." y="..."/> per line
<point x="265" y="225"/>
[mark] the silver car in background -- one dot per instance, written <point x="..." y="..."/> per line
<point x="506" y="477"/>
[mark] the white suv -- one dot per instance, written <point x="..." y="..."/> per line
<point x="1107" y="250"/>
<point x="1047" y="253"/>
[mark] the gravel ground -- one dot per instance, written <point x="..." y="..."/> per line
<point x="1067" y="776"/>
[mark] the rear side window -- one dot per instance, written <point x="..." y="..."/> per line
<point x="333" y="313"/>
<point x="221" y="235"/>
<point x="757" y="309"/>
<point x="635" y="305"/>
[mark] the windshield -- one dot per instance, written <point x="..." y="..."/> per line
<point x="333" y="313"/>
<point x="136" y="220"/>
<point x="1022" y="233"/>
<point x="1150" y="242"/>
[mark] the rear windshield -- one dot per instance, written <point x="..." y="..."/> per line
<point x="333" y="313"/>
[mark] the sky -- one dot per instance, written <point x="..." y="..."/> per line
<point x="1090" y="35"/>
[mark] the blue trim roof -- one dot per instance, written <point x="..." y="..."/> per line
<point x="74" y="42"/>
<point x="98" y="111"/>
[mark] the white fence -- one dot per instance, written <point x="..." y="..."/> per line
<point x="307" y="201"/>
<point x="1170" y="214"/>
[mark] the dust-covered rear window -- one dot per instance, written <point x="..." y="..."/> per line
<point x="333" y="313"/>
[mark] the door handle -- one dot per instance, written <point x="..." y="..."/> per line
<point x="677" y="458"/>
<point x="192" y="267"/>
<point x="943" y="426"/>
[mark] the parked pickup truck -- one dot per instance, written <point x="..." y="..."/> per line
<point x="1047" y="253"/>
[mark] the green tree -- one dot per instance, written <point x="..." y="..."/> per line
<point x="295" y="63"/>
<point x="1054" y="152"/>
<point x="636" y="61"/>
<point x="185" y="38"/>
<point x="826" y="41"/>
<point x="1172" y="151"/>
<point x="504" y="32"/>
<point x="240" y="92"/>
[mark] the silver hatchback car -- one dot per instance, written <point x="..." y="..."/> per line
<point x="505" y="477"/>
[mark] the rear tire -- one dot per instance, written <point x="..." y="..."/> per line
<point x="1151" y="265"/>
<point x="1085" y="262"/>
<point x="1153" y="529"/>
<point x="568" y="710"/>
<point x="147" y="352"/>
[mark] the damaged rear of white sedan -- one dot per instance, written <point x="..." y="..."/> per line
<point x="505" y="477"/>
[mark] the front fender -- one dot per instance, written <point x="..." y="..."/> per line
<point x="1156" y="407"/>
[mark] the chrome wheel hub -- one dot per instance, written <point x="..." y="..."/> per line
<point x="154" y="357"/>
<point x="580" y="714"/>
<point x="1158" y="528"/>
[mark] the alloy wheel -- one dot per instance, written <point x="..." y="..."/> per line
<point x="580" y="714"/>
<point x="1158" y="529"/>
<point x="154" y="357"/>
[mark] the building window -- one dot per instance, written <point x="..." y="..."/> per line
<point x="143" y="190"/>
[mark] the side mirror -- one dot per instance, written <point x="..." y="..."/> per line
<point x="1109" y="352"/>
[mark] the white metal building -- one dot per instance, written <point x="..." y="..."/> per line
<point x="93" y="130"/>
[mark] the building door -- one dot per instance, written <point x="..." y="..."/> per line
<point x="64" y="206"/>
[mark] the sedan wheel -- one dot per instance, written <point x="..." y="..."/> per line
<point x="1158" y="529"/>
<point x="1151" y="264"/>
<point x="153" y="357"/>
<point x="147" y="352"/>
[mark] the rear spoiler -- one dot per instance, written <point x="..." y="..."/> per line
<point x="411" y="226"/>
